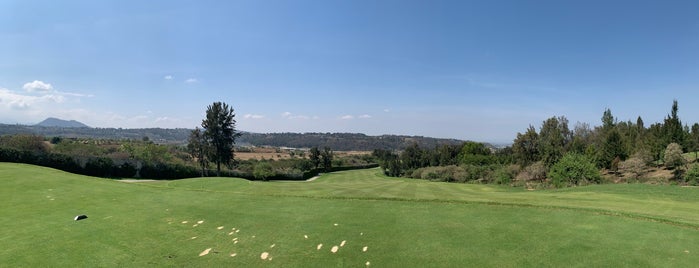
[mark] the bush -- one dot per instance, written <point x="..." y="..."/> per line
<point x="262" y="171"/>
<point x="533" y="172"/>
<point x="692" y="175"/>
<point x="673" y="156"/>
<point x="634" y="165"/>
<point x="574" y="169"/>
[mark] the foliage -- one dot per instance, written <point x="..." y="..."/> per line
<point x="553" y="139"/>
<point x="691" y="177"/>
<point x="220" y="133"/>
<point x="635" y="165"/>
<point x="263" y="170"/>
<point x="199" y="149"/>
<point x="315" y="157"/>
<point x="327" y="158"/>
<point x="534" y="172"/>
<point x="526" y="147"/>
<point x="673" y="156"/>
<point x="574" y="169"/>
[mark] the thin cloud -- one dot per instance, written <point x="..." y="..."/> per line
<point x="168" y="77"/>
<point x="387" y="110"/>
<point x="347" y="117"/>
<point x="253" y="116"/>
<point x="38" y="86"/>
<point x="191" y="80"/>
<point x="291" y="116"/>
<point x="365" y="116"/>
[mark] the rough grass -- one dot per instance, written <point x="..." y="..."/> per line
<point x="402" y="222"/>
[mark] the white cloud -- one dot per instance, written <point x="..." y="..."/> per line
<point x="365" y="116"/>
<point x="347" y="117"/>
<point x="387" y="110"/>
<point x="253" y="116"/>
<point x="291" y="116"/>
<point x="37" y="86"/>
<point x="191" y="80"/>
<point x="168" y="77"/>
<point x="14" y="101"/>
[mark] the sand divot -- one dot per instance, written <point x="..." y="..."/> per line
<point x="200" y="222"/>
<point x="194" y="237"/>
<point x="336" y="224"/>
<point x="235" y="239"/>
<point x="220" y="228"/>
<point x="368" y="263"/>
<point x="184" y="222"/>
<point x="334" y="249"/>
<point x="235" y="242"/>
<point x="365" y="248"/>
<point x="195" y="225"/>
<point x="686" y="251"/>
<point x="305" y="236"/>
<point x="204" y="252"/>
<point x="272" y="246"/>
<point x="234" y="254"/>
<point x="264" y="255"/>
<point x="361" y="233"/>
<point x="231" y="233"/>
<point x="343" y="243"/>
<point x="236" y="231"/>
<point x="319" y="246"/>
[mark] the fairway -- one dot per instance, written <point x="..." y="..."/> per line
<point x="344" y="219"/>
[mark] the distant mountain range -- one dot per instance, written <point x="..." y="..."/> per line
<point x="53" y="127"/>
<point x="55" y="122"/>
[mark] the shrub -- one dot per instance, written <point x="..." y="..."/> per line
<point x="692" y="175"/>
<point x="262" y="171"/>
<point x="673" y="156"/>
<point x="533" y="172"/>
<point x="574" y="169"/>
<point x="634" y="165"/>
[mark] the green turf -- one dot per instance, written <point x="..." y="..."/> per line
<point x="402" y="222"/>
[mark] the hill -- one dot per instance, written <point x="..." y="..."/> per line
<point x="55" y="122"/>
<point x="336" y="141"/>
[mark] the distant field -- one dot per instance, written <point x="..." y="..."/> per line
<point x="384" y="222"/>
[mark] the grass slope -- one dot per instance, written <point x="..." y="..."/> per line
<point x="401" y="222"/>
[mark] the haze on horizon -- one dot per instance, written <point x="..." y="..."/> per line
<point x="471" y="70"/>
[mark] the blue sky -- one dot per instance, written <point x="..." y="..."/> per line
<point x="477" y="70"/>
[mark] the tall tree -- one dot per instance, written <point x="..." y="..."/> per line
<point x="553" y="137"/>
<point x="199" y="149"/>
<point x="673" y="127"/>
<point x="220" y="133"/>
<point x="327" y="156"/>
<point x="694" y="141"/>
<point x="526" y="146"/>
<point x="315" y="157"/>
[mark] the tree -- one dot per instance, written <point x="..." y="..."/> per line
<point x="673" y="156"/>
<point x="574" y="169"/>
<point x="694" y="141"/>
<point x="315" y="157"/>
<point x="199" y="149"/>
<point x="220" y="133"/>
<point x="672" y="127"/>
<point x="526" y="146"/>
<point x="553" y="137"/>
<point x="327" y="156"/>
<point x="612" y="148"/>
<point x="608" y="121"/>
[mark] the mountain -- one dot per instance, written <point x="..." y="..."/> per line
<point x="55" y="122"/>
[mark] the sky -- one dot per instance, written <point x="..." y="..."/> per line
<point x="470" y="70"/>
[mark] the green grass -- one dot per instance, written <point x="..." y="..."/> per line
<point x="402" y="222"/>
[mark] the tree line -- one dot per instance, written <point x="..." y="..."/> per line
<point x="557" y="154"/>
